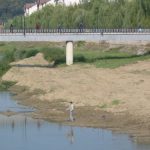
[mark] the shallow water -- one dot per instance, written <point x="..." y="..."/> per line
<point x="7" y="103"/>
<point x="20" y="132"/>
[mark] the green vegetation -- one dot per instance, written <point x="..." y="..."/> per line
<point x="4" y="85"/>
<point x="93" y="14"/>
<point x="108" y="59"/>
<point x="83" y="54"/>
<point x="103" y="106"/>
<point x="115" y="102"/>
<point x="54" y="54"/>
<point x="4" y="66"/>
<point x="9" y="53"/>
<point x="109" y="105"/>
<point x="4" y="61"/>
<point x="111" y="58"/>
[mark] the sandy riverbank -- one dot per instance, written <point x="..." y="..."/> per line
<point x="108" y="98"/>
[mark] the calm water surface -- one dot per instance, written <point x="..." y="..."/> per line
<point x="7" y="103"/>
<point x="20" y="132"/>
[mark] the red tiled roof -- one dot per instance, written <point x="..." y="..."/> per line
<point x="29" y="5"/>
<point x="39" y="2"/>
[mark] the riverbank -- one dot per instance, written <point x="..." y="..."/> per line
<point x="86" y="116"/>
<point x="107" y="98"/>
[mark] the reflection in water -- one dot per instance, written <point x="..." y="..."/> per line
<point x="13" y="125"/>
<point x="26" y="133"/>
<point x="25" y="127"/>
<point x="70" y="135"/>
<point x="17" y="121"/>
<point x="38" y="124"/>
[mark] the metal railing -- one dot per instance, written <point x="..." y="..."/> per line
<point x="101" y="31"/>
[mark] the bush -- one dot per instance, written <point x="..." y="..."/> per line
<point x="4" y="85"/>
<point x="8" y="55"/>
<point x="21" y="54"/>
<point x="13" y="55"/>
<point x="80" y="43"/>
<point x="54" y="54"/>
<point x="31" y="53"/>
<point x="4" y="66"/>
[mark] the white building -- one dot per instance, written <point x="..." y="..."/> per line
<point x="30" y="8"/>
<point x="43" y="3"/>
<point x="71" y="2"/>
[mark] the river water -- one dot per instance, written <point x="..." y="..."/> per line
<point x="20" y="132"/>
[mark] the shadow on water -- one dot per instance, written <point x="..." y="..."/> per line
<point x="22" y="132"/>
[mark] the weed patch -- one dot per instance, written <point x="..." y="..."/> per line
<point x="103" y="106"/>
<point x="115" y="102"/>
<point x="5" y="85"/>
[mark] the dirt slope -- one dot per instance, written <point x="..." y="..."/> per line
<point x="125" y="89"/>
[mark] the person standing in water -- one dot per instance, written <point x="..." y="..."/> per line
<point x="71" y="111"/>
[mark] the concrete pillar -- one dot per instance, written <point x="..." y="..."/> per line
<point x="69" y="52"/>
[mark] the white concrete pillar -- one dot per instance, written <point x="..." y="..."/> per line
<point x="69" y="52"/>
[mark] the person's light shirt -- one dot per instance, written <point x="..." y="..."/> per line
<point x="71" y="107"/>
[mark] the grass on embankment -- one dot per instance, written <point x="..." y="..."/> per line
<point x="108" y="59"/>
<point x="98" y="56"/>
<point x="111" y="58"/>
